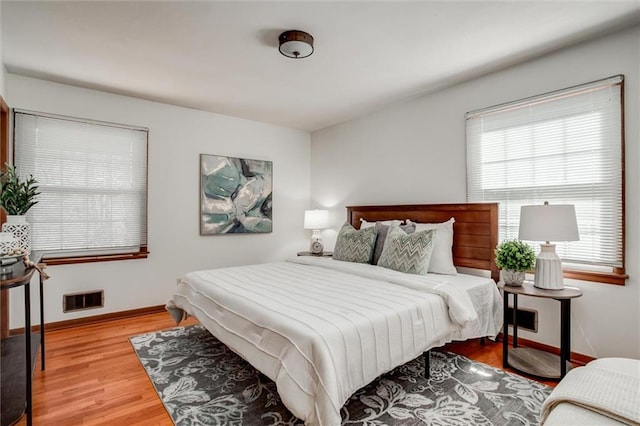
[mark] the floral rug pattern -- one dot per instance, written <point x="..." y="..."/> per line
<point x="202" y="382"/>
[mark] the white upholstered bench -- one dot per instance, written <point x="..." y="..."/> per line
<point x="604" y="392"/>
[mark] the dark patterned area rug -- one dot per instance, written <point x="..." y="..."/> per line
<point x="202" y="382"/>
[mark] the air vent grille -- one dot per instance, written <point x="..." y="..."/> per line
<point x="81" y="301"/>
<point x="527" y="319"/>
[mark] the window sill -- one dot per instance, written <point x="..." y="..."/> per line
<point x="52" y="261"/>
<point x="597" y="277"/>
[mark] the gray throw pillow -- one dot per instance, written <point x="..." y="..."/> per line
<point x="382" y="230"/>
<point x="408" y="253"/>
<point x="354" y="245"/>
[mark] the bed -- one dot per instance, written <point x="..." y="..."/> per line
<point x="321" y="328"/>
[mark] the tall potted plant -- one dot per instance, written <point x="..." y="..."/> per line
<point x="514" y="258"/>
<point x="17" y="196"/>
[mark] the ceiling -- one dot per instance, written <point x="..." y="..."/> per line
<point x="223" y="56"/>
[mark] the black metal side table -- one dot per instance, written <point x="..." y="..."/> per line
<point x="534" y="361"/>
<point x="21" y="277"/>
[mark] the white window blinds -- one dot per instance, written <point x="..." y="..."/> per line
<point x="93" y="182"/>
<point x="564" y="147"/>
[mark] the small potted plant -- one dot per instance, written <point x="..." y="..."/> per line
<point x="17" y="196"/>
<point x="514" y="258"/>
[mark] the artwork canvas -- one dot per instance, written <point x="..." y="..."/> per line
<point x="235" y="195"/>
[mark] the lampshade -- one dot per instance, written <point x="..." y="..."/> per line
<point x="548" y="222"/>
<point x="296" y="44"/>
<point x="316" y="219"/>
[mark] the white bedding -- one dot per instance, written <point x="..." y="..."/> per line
<point x="321" y="329"/>
<point x="604" y="392"/>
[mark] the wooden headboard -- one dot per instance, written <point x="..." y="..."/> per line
<point x="475" y="232"/>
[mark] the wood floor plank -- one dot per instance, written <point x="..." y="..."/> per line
<point x="94" y="378"/>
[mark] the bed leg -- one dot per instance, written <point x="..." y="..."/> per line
<point x="482" y="341"/>
<point x="427" y="364"/>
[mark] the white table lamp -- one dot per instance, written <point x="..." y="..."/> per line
<point x="547" y="222"/>
<point x="316" y="220"/>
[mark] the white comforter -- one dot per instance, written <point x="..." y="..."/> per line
<point x="322" y="329"/>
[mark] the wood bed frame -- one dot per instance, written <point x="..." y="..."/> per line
<point x="475" y="231"/>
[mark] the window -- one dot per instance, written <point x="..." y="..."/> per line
<point x="564" y="147"/>
<point x="93" y="182"/>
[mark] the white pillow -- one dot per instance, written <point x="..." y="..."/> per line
<point x="441" y="257"/>
<point x="364" y="224"/>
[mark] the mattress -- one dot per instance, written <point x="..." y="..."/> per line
<point x="321" y="329"/>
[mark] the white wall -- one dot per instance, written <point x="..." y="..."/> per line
<point x="3" y="70"/>
<point x="176" y="138"/>
<point x="415" y="153"/>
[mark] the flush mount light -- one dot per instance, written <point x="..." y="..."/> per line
<point x="296" y="44"/>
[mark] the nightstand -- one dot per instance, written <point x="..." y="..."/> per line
<point x="323" y="254"/>
<point x="19" y="353"/>
<point x="534" y="361"/>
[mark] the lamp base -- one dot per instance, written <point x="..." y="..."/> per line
<point x="316" y="246"/>
<point x="548" y="269"/>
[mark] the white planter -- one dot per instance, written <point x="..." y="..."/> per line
<point x="21" y="230"/>
<point x="513" y="278"/>
<point x="16" y="218"/>
<point x="7" y="242"/>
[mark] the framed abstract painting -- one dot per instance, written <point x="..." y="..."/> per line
<point x="235" y="195"/>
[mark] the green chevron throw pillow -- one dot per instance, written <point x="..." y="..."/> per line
<point x="354" y="245"/>
<point x="408" y="253"/>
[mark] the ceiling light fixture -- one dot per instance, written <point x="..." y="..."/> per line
<point x="296" y="44"/>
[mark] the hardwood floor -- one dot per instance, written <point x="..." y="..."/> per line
<point x="490" y="354"/>
<point x="93" y="376"/>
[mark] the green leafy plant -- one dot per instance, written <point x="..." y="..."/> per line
<point x="515" y="255"/>
<point x="17" y="196"/>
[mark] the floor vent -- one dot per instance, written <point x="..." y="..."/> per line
<point x="527" y="319"/>
<point x="80" y="301"/>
